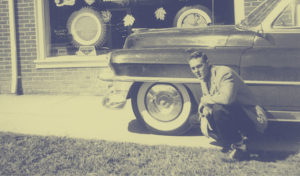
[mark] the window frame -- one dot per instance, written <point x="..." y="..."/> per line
<point x="69" y="61"/>
<point x="295" y="8"/>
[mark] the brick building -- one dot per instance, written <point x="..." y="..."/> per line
<point x="24" y="57"/>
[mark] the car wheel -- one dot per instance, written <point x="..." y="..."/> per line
<point x="163" y="108"/>
<point x="192" y="16"/>
<point x="87" y="28"/>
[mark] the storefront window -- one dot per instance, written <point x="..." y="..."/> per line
<point x="78" y="31"/>
<point x="76" y="28"/>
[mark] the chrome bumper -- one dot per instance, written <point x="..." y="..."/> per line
<point x="117" y="91"/>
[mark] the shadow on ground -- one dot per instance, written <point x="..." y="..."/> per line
<point x="281" y="136"/>
<point x="135" y="127"/>
<point x="280" y="140"/>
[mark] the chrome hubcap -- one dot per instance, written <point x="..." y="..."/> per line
<point x="163" y="102"/>
<point x="194" y="20"/>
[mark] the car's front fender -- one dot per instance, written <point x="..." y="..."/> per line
<point x="171" y="63"/>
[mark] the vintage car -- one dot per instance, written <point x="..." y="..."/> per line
<point x="152" y="68"/>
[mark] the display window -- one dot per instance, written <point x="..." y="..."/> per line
<point x="77" y="32"/>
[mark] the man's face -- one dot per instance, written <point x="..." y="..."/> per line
<point x="199" y="67"/>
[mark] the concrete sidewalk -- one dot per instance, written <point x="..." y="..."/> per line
<point x="81" y="117"/>
<point x="85" y="117"/>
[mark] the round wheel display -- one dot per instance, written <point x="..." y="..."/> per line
<point x="192" y="16"/>
<point x="163" y="108"/>
<point x="87" y="28"/>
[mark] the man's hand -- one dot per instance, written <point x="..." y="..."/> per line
<point x="207" y="111"/>
<point x="206" y="100"/>
<point x="204" y="110"/>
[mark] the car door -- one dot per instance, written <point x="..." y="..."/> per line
<point x="272" y="67"/>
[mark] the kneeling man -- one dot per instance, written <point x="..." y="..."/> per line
<point x="225" y="105"/>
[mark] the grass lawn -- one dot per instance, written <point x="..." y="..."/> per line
<point x="39" y="155"/>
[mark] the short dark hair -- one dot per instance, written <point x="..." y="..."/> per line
<point x="198" y="54"/>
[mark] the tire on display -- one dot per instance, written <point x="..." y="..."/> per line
<point x="163" y="108"/>
<point x="192" y="16"/>
<point x="87" y="28"/>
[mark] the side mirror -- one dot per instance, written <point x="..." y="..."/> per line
<point x="261" y="34"/>
<point x="266" y="36"/>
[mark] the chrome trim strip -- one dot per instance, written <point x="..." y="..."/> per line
<point x="278" y="83"/>
<point x="285" y="116"/>
<point x="149" y="79"/>
<point x="191" y="80"/>
<point x="284" y="120"/>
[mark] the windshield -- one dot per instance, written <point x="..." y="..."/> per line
<point x="258" y="14"/>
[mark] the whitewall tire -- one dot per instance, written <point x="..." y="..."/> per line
<point x="192" y="16"/>
<point x="87" y="28"/>
<point x="163" y="108"/>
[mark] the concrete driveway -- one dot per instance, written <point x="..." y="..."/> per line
<point x="85" y="117"/>
<point x="82" y="117"/>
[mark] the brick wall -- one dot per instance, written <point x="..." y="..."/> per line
<point x="39" y="81"/>
<point x="5" y="64"/>
<point x="250" y="5"/>
<point x="79" y="81"/>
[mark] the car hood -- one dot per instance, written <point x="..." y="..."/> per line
<point x="211" y="36"/>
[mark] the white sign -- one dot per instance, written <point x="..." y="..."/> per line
<point x="86" y="51"/>
<point x="89" y="2"/>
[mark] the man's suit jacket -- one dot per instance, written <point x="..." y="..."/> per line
<point x="227" y="87"/>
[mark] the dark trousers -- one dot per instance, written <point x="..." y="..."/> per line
<point x="230" y="123"/>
